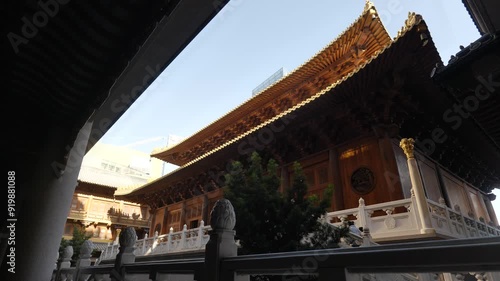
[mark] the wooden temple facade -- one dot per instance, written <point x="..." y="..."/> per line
<point x="342" y="115"/>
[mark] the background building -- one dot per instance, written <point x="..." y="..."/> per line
<point x="94" y="209"/>
<point x="269" y="81"/>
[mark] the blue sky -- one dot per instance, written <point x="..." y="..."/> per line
<point x="248" y="41"/>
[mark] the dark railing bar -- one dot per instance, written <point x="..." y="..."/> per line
<point x="97" y="269"/>
<point x="435" y="256"/>
<point x="165" y="267"/>
<point x="406" y="245"/>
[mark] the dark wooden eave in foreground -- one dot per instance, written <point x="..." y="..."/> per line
<point x="393" y="90"/>
<point x="485" y="14"/>
<point x="87" y="61"/>
<point x="477" y="65"/>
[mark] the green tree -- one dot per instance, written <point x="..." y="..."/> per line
<point x="268" y="220"/>
<point x="79" y="236"/>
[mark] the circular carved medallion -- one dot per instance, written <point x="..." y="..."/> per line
<point x="362" y="180"/>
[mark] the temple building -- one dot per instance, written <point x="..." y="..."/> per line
<point x="349" y="115"/>
<point x="94" y="208"/>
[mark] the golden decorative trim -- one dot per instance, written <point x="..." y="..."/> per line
<point x="408" y="145"/>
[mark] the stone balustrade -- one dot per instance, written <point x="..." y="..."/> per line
<point x="399" y="220"/>
<point x="408" y="261"/>
<point x="174" y="242"/>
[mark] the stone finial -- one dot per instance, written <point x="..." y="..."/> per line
<point x="67" y="253"/>
<point x="128" y="237"/>
<point x="222" y="215"/>
<point x="86" y="249"/>
<point x="361" y="201"/>
<point x="408" y="145"/>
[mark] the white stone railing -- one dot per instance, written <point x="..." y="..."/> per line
<point x="173" y="242"/>
<point x="381" y="219"/>
<point x="399" y="220"/>
<point x="455" y="224"/>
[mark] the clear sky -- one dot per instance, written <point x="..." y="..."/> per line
<point x="248" y="41"/>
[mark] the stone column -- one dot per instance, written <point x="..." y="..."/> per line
<point x="417" y="186"/>
<point x="65" y="261"/>
<point x="84" y="259"/>
<point x="221" y="243"/>
<point x="46" y="200"/>
<point x="126" y="255"/>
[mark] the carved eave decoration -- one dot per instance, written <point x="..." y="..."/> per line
<point x="365" y="38"/>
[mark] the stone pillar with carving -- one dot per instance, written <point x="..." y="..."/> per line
<point x="126" y="255"/>
<point x="417" y="186"/>
<point x="84" y="259"/>
<point x="221" y="243"/>
<point x="66" y="257"/>
<point x="65" y="261"/>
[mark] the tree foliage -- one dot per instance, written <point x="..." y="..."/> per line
<point x="268" y="220"/>
<point x="79" y="236"/>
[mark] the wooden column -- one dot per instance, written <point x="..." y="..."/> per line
<point x="204" y="210"/>
<point x="388" y="160"/>
<point x="334" y="176"/>
<point x="152" y="214"/>
<point x="183" y="215"/>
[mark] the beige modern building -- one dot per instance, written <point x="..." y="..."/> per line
<point x="105" y="170"/>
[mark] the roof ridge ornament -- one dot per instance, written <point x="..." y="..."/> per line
<point x="412" y="20"/>
<point x="368" y="5"/>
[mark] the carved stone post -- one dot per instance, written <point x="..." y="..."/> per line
<point x="367" y="238"/>
<point x="221" y="243"/>
<point x="84" y="259"/>
<point x="127" y="240"/>
<point x="66" y="257"/>
<point x="201" y="232"/>
<point x="361" y="215"/>
<point x="65" y="260"/>
<point x="417" y="186"/>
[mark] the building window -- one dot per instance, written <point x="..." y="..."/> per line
<point x="316" y="179"/>
<point x="174" y="220"/>
<point x="193" y="224"/>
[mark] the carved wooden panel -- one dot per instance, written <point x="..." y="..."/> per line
<point x="430" y="178"/>
<point x="355" y="159"/>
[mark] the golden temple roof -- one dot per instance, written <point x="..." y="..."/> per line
<point x="362" y="40"/>
<point x="387" y="56"/>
